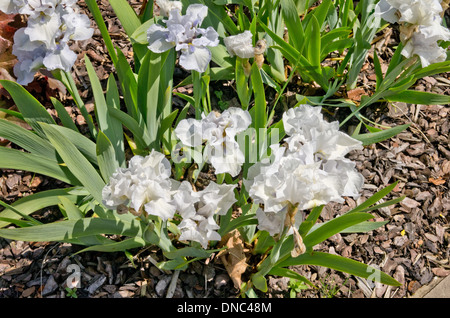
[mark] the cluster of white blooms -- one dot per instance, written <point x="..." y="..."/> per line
<point x="184" y="33"/>
<point x="44" y="41"/>
<point x="421" y="27"/>
<point x="217" y="132"/>
<point x="310" y="171"/>
<point x="145" y="187"/>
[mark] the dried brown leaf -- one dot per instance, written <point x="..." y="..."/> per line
<point x="234" y="258"/>
<point x="7" y="59"/>
<point x="355" y="94"/>
<point x="437" y="181"/>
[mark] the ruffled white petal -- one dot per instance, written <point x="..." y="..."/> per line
<point x="189" y="131"/>
<point x="240" y="45"/>
<point x="158" y="39"/>
<point x="195" y="58"/>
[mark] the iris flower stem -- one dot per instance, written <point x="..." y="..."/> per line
<point x="197" y="83"/>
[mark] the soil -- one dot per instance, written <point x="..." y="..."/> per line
<point x="413" y="246"/>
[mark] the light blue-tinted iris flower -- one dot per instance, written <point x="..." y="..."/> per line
<point x="44" y="42"/>
<point x="183" y="32"/>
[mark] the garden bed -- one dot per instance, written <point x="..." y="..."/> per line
<point x="413" y="247"/>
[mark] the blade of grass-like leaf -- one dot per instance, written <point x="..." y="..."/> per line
<point x="378" y="70"/>
<point x="260" y="115"/>
<point x="242" y="87"/>
<point x="321" y="12"/>
<point x="341" y="264"/>
<point x="109" y="125"/>
<point x="364" y="227"/>
<point x="293" y="24"/>
<point x="63" y="115"/>
<point x="89" y="240"/>
<point x="19" y="223"/>
<point x="433" y="69"/>
<point x="334" y="226"/>
<point x="140" y="134"/>
<point x="148" y="90"/>
<point x="418" y="97"/>
<point x="384" y="204"/>
<point x="106" y="157"/>
<point x="395" y="59"/>
<point x="288" y="50"/>
<point x="313" y="48"/>
<point x="19" y="160"/>
<point x="126" y="15"/>
<point x="19" y="213"/>
<point x="167" y="122"/>
<point x="82" y="143"/>
<point x="284" y="272"/>
<point x="128" y="84"/>
<point x="73" y="229"/>
<point x="27" y="140"/>
<point x="37" y="201"/>
<point x="81" y="168"/>
<point x="338" y="45"/>
<point x="115" y="129"/>
<point x="72" y="211"/>
<point x="68" y="81"/>
<point x="307" y="224"/>
<point x="372" y="138"/>
<point x="263" y="243"/>
<point x="128" y="244"/>
<point x="99" y="98"/>
<point x="374" y="198"/>
<point x="166" y="88"/>
<point x="334" y="35"/>
<point x="32" y="110"/>
<point x="344" y="18"/>
<point x="130" y="22"/>
<point x="11" y="113"/>
<point x="259" y="111"/>
<point x="140" y="34"/>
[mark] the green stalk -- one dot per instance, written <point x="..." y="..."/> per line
<point x="66" y="78"/>
<point x="197" y="83"/>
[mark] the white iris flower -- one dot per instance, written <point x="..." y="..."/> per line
<point x="424" y="43"/>
<point x="199" y="210"/>
<point x="240" y="45"/>
<point x="45" y="41"/>
<point x="311" y="171"/>
<point x="217" y="132"/>
<point x="183" y="32"/>
<point x="421" y="27"/>
<point x="144" y="186"/>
